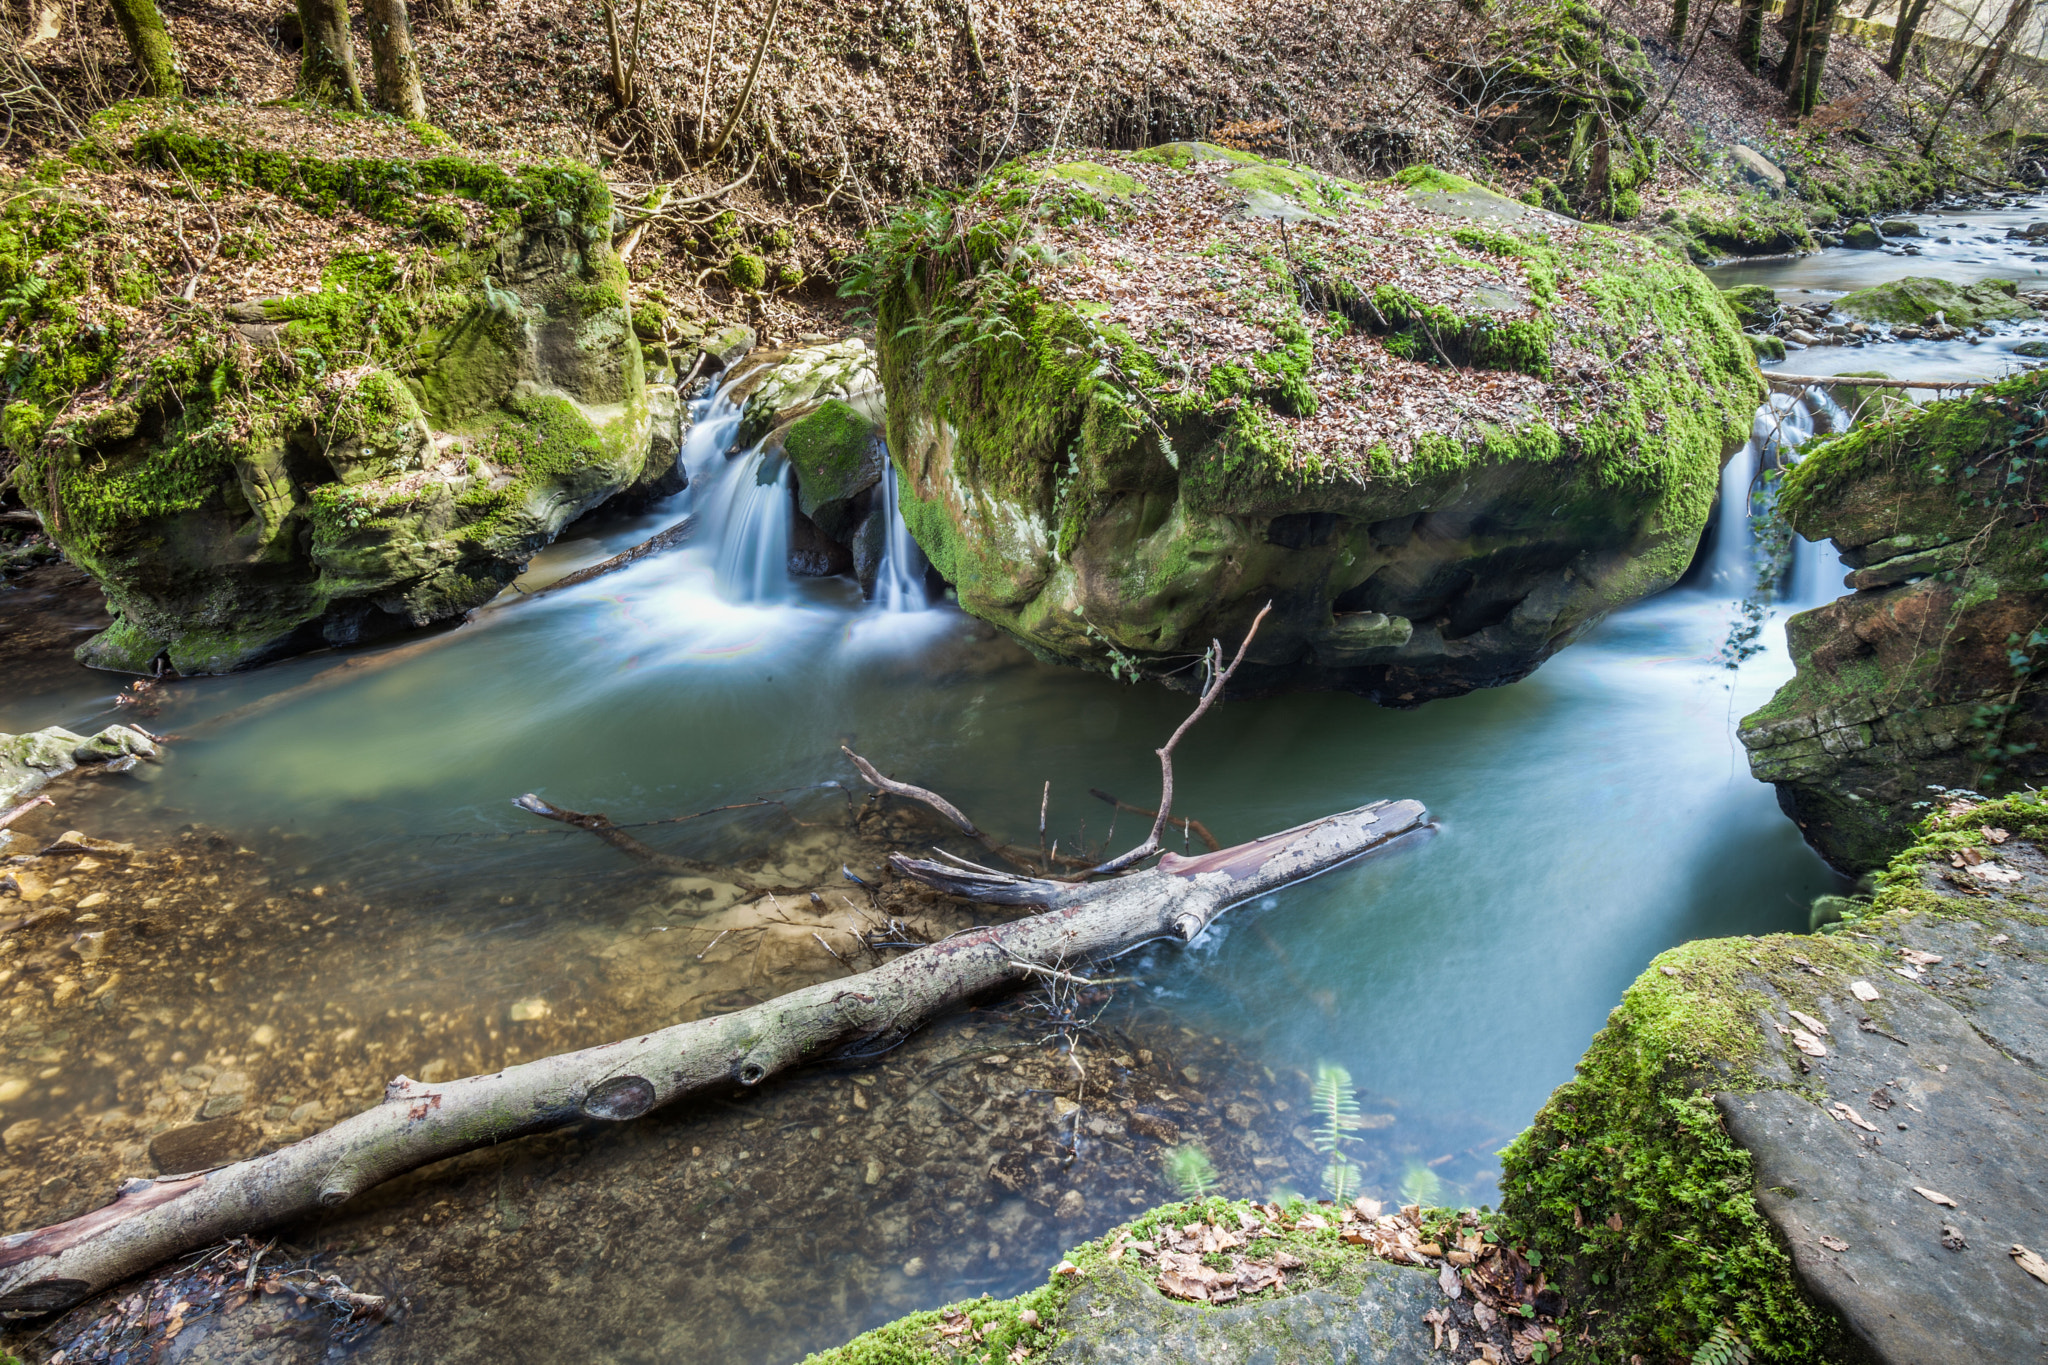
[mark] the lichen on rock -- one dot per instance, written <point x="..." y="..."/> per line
<point x="1919" y="299"/>
<point x="1923" y="677"/>
<point x="381" y="442"/>
<point x="1127" y="421"/>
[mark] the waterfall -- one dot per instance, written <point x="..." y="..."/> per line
<point x="746" y="517"/>
<point x="1781" y="426"/>
<point x="899" y="581"/>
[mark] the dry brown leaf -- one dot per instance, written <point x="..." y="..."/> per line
<point x="1812" y="1024"/>
<point x="1844" y="1111"/>
<point x="1447" y="1280"/>
<point x="1863" y="990"/>
<point x="1834" y="1243"/>
<point x="1918" y="958"/>
<point x="1808" y="1044"/>
<point x="1996" y="836"/>
<point x="1934" y="1196"/>
<point x="2030" y="1263"/>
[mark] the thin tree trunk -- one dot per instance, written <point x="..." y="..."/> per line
<point x="1807" y="94"/>
<point x="52" y="1268"/>
<point x="747" y="90"/>
<point x="1749" y="36"/>
<point x="397" y="66"/>
<point x="1681" y="10"/>
<point x="2014" y="22"/>
<point x="149" y="42"/>
<point x="1910" y="14"/>
<point x="1786" y="77"/>
<point x="1969" y="78"/>
<point x="327" y="62"/>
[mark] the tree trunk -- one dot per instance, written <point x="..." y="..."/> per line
<point x="2014" y="22"/>
<point x="1807" y="93"/>
<point x="1680" y="11"/>
<point x="1749" y="36"/>
<point x="149" y="42"/>
<point x="327" y="62"/>
<point x="52" y="1268"/>
<point x="1786" y="77"/>
<point x="397" y="67"/>
<point x="1910" y="13"/>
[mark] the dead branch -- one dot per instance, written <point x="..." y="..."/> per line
<point x="1187" y="823"/>
<point x="1211" y="691"/>
<point x="48" y="1269"/>
<point x="23" y="809"/>
<point x="747" y="90"/>
<point x="953" y="814"/>
<point x="601" y="825"/>
<point x="654" y="544"/>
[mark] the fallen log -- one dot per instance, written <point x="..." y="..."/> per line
<point x="49" y="1269"/>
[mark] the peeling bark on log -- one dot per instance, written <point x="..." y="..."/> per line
<point x="51" y="1268"/>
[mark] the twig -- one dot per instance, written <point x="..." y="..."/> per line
<point x="601" y="825"/>
<point x="747" y="90"/>
<point x="1214" y="689"/>
<point x="1187" y="823"/>
<point x="23" y="809"/>
<point x="713" y="944"/>
<point x="904" y="789"/>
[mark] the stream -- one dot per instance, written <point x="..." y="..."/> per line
<point x="378" y="905"/>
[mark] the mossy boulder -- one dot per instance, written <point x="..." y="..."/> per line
<point x="1862" y="237"/>
<point x="1755" y="305"/>
<point x="380" y="445"/>
<point x="28" y="761"/>
<point x="1925" y="676"/>
<point x="1442" y="431"/>
<point x="1918" y="299"/>
<point x="1743" y="1147"/>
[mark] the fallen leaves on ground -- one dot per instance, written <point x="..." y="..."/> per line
<point x="1834" y="1243"/>
<point x="1934" y="1196"/>
<point x="2030" y="1263"/>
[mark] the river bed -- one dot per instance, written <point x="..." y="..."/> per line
<point x="380" y="906"/>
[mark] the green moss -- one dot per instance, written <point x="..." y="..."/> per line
<point x="1181" y="155"/>
<point x="1633" y="1192"/>
<point x="1917" y="299"/>
<point x="1096" y="178"/>
<point x="1426" y="177"/>
<point x="746" y="271"/>
<point x="1755" y="306"/>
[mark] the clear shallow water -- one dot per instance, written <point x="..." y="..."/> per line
<point x="1591" y="816"/>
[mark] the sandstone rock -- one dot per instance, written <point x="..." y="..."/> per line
<point x="1756" y="166"/>
<point x="1161" y="429"/>
<point x="429" y="435"/>
<point x="1915" y="680"/>
<point x="1862" y="237"/>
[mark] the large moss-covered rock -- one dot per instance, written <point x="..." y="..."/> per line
<point x="381" y="443"/>
<point x="1924" y="676"/>
<point x="1745" y="1146"/>
<point x="1136" y="398"/>
<point x="1919" y="299"/>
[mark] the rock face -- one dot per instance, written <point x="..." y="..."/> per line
<point x="1924" y="676"/>
<point x="378" y="439"/>
<point x="1441" y="431"/>
<point x="822" y="408"/>
<point x="1846" y="1128"/>
<point x="28" y="761"/>
<point x="1917" y="299"/>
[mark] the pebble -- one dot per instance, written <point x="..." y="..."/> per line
<point x="1071" y="1206"/>
<point x="873" y="1176"/>
<point x="914" y="1267"/>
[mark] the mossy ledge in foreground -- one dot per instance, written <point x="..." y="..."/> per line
<point x="402" y="371"/>
<point x="1135" y="397"/>
<point x="1718" y="1169"/>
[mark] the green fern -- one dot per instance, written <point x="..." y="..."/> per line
<point x="1191" y="1171"/>
<point x="1725" y="1347"/>
<point x="1341" y="1180"/>
<point x="1335" y="1102"/>
<point x="1421" y="1187"/>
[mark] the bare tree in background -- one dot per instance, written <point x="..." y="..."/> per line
<point x="1803" y="93"/>
<point x="1904" y="29"/>
<point x="1749" y="36"/>
<point x="397" y="66"/>
<point x="2008" y="33"/>
<point x="327" y="62"/>
<point x="156" y="61"/>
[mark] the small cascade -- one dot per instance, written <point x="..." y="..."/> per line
<point x="899" y="582"/>
<point x="746" y="518"/>
<point x="1811" y="576"/>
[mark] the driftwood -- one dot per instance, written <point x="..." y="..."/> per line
<point x="1848" y="381"/>
<point x="601" y="825"/>
<point x="51" y="1268"/>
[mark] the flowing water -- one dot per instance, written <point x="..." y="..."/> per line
<point x="348" y="892"/>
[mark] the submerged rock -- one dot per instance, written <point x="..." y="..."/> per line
<point x="1135" y="398"/>
<point x="378" y="438"/>
<point x="1918" y="299"/>
<point x="1922" y="677"/>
